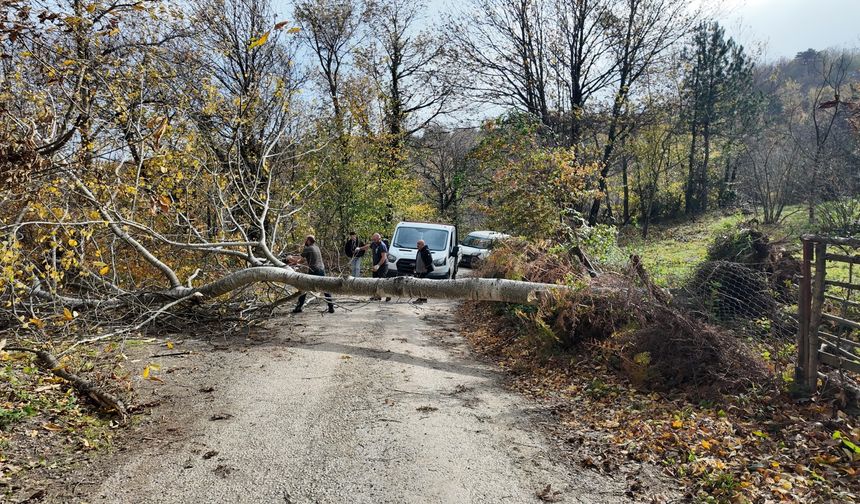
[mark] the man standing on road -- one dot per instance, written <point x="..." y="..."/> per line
<point x="312" y="256"/>
<point x="423" y="265"/>
<point x="380" y="260"/>
<point x="353" y="249"/>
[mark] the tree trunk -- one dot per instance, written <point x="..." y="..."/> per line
<point x="484" y="289"/>
<point x="703" y="174"/>
<point x="609" y="148"/>
<point x="690" y="193"/>
<point x="724" y="187"/>
<point x="813" y="186"/>
<point x="626" y="203"/>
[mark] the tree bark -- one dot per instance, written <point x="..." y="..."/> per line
<point x="690" y="206"/>
<point x="702" y="198"/>
<point x="484" y="289"/>
<point x="626" y="202"/>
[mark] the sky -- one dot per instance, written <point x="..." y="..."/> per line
<point x="786" y="27"/>
<point x="770" y="29"/>
<point x="781" y="28"/>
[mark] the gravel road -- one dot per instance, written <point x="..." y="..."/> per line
<point x="382" y="403"/>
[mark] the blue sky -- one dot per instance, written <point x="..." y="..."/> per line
<point x="785" y="27"/>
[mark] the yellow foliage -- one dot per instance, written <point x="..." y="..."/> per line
<point x="260" y="41"/>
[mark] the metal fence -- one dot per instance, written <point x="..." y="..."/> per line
<point x="756" y="300"/>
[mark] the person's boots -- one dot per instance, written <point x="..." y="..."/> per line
<point x="331" y="308"/>
<point x="297" y="309"/>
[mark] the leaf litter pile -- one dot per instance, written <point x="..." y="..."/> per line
<point x="633" y="380"/>
<point x="46" y="426"/>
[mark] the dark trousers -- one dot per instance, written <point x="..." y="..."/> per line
<point x="304" y="296"/>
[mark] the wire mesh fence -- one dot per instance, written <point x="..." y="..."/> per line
<point x="755" y="299"/>
<point x="761" y="299"/>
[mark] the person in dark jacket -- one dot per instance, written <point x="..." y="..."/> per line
<point x="311" y="256"/>
<point x="423" y="264"/>
<point x="379" y="266"/>
<point x="353" y="249"/>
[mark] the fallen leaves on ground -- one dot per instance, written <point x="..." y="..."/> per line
<point x="759" y="446"/>
<point x="45" y="425"/>
<point x="547" y="494"/>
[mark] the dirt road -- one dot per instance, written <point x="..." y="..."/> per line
<point x="383" y="403"/>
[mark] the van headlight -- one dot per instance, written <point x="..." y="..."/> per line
<point x="439" y="262"/>
<point x="392" y="258"/>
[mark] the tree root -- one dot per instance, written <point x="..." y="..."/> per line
<point x="84" y="387"/>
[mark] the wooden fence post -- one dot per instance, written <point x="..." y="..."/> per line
<point x="803" y="314"/>
<point x="818" y="288"/>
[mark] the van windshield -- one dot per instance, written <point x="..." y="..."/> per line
<point x="407" y="237"/>
<point x="478" y="242"/>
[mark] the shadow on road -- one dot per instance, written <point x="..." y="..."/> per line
<point x="388" y="355"/>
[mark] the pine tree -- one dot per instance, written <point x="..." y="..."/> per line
<point x="717" y="84"/>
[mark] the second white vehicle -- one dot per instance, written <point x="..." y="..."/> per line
<point x="477" y="246"/>
<point x="441" y="239"/>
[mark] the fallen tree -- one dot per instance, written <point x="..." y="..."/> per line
<point x="479" y="289"/>
<point x="244" y="259"/>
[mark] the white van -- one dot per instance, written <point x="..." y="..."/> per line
<point x="441" y="239"/>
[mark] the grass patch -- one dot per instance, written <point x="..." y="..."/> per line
<point x="674" y="249"/>
<point x="672" y="252"/>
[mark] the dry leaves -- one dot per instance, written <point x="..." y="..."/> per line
<point x="756" y="446"/>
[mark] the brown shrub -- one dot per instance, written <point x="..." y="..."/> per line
<point x="684" y="352"/>
<point x="587" y="317"/>
<point x="658" y="347"/>
<point x="730" y="291"/>
<point x="516" y="259"/>
<point x="745" y="246"/>
<point x="655" y="346"/>
<point x="755" y="250"/>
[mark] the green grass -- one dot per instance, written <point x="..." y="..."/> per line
<point x="673" y="250"/>
<point x="9" y="416"/>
